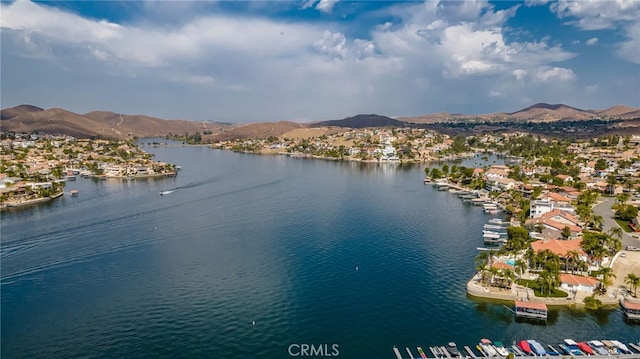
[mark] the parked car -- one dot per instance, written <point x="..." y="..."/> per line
<point x="632" y="248"/>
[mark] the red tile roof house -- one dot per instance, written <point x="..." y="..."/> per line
<point x="559" y="247"/>
<point x="575" y="283"/>
<point x="556" y="220"/>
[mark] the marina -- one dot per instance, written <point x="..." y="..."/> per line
<point x="569" y="348"/>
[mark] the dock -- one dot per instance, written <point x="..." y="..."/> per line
<point x="409" y="351"/>
<point x="470" y="352"/>
<point x="531" y="310"/>
<point x="630" y="309"/>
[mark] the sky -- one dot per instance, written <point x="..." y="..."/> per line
<point x="255" y="61"/>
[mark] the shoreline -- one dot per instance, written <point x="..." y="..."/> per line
<point x="29" y="202"/>
<point x="518" y="292"/>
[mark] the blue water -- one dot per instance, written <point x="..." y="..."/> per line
<point x="120" y="271"/>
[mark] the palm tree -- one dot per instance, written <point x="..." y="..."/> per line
<point x="519" y="266"/>
<point x="633" y="281"/>
<point x="606" y="274"/>
<point x="572" y="258"/>
<point x="547" y="281"/>
<point x="597" y="221"/>
<point x="509" y="276"/>
<point x="494" y="272"/>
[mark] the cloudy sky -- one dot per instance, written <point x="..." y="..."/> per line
<point x="249" y="61"/>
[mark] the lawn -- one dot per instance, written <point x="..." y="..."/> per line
<point x="624" y="225"/>
<point x="556" y="293"/>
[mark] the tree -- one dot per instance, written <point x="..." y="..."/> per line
<point x="517" y="238"/>
<point x="436" y="173"/>
<point x="626" y="212"/>
<point x="607" y="275"/>
<point x="519" y="267"/>
<point x="592" y="303"/>
<point x="601" y="164"/>
<point x="547" y="281"/>
<point x="566" y="232"/>
<point x="426" y="171"/>
<point x="633" y="281"/>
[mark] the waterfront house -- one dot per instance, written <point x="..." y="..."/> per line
<point x="575" y="283"/>
<point x="560" y="247"/>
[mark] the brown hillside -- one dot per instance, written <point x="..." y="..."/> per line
<point x="12" y="112"/>
<point x="105" y="124"/>
<point x="621" y="111"/>
<point x="257" y="130"/>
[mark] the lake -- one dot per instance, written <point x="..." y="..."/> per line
<point x="251" y="254"/>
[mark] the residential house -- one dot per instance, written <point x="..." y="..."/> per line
<point x="575" y="283"/>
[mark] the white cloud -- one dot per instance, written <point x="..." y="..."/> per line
<point x="548" y="74"/>
<point x="597" y="15"/>
<point x="308" y="4"/>
<point x="591" y="41"/>
<point x="535" y="2"/>
<point x="630" y="50"/>
<point x="519" y="74"/>
<point x="236" y="66"/>
<point x="326" y="5"/>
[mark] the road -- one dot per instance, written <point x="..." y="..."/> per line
<point x="604" y="210"/>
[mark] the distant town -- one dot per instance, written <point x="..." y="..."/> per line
<point x="556" y="246"/>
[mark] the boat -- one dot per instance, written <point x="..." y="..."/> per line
<point x="422" y="354"/>
<point x="598" y="347"/>
<point x="621" y="347"/>
<point x="552" y="351"/>
<point x="585" y="348"/>
<point x="162" y="193"/>
<point x="612" y="348"/>
<point x="502" y="351"/>
<point x="74" y="193"/>
<point x="570" y="347"/>
<point x="497" y="221"/>
<point x="536" y="347"/>
<point x="452" y="348"/>
<point x="525" y="347"/>
<point x="486" y="347"/>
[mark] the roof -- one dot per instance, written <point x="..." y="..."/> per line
<point x="557" y="246"/>
<point x="531" y="305"/>
<point x="631" y="305"/>
<point x="578" y="280"/>
<point x="502" y="265"/>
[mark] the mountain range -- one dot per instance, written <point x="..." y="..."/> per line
<point x="105" y="124"/>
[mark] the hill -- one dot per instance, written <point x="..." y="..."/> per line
<point x="261" y="130"/>
<point x="105" y="124"/>
<point x="540" y="112"/>
<point x="362" y="121"/>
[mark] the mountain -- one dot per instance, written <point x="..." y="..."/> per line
<point x="27" y="118"/>
<point x="548" y="112"/>
<point x="106" y="124"/>
<point x="362" y="121"/>
<point x="540" y="112"/>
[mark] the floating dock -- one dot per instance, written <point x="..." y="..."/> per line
<point x="397" y="352"/>
<point x="533" y="310"/>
